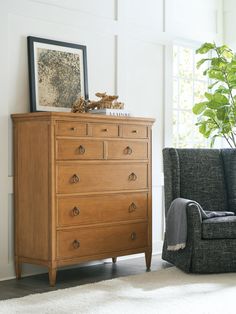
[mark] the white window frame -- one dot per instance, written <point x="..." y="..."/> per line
<point x="168" y="87"/>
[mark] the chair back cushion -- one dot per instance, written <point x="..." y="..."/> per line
<point x="196" y="174"/>
<point x="229" y="159"/>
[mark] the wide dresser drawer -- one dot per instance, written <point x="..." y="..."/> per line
<point x="92" y="209"/>
<point x="86" y="241"/>
<point x="79" y="149"/>
<point x="127" y="149"/>
<point x="75" y="177"/>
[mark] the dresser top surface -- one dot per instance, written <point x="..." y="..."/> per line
<point x="83" y="117"/>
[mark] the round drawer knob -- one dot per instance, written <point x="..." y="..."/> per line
<point x="73" y="129"/>
<point x="74" y="179"/>
<point x="132" y="177"/>
<point x="133" y="236"/>
<point x="76" y="244"/>
<point x="132" y="207"/>
<point x="81" y="150"/>
<point x="75" y="211"/>
<point x="128" y="150"/>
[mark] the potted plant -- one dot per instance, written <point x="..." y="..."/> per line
<point x="217" y="113"/>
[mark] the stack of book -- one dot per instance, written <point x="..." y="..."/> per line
<point x="111" y="112"/>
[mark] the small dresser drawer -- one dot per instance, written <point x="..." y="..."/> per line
<point x="127" y="150"/>
<point x="79" y="178"/>
<point x="67" y="128"/>
<point x="135" y="131"/>
<point x="79" y="149"/>
<point x="91" y="241"/>
<point x="104" y="130"/>
<point x="101" y="208"/>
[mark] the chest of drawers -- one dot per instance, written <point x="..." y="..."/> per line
<point x="82" y="188"/>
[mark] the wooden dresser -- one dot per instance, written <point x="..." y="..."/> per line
<point x="82" y="188"/>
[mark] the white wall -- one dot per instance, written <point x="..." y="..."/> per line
<point x="128" y="44"/>
<point x="230" y="23"/>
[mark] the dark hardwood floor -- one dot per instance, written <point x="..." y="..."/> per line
<point x="77" y="276"/>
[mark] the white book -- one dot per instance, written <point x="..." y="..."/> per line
<point x="111" y="112"/>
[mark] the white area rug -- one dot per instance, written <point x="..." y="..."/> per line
<point x="167" y="291"/>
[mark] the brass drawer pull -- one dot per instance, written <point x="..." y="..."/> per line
<point x="74" y="179"/>
<point x="132" y="177"/>
<point x="73" y="128"/>
<point x="76" y="244"/>
<point x="81" y="150"/>
<point x="105" y="130"/>
<point x="75" y="211"/>
<point x="134" y="131"/>
<point x="128" y="150"/>
<point x="133" y="236"/>
<point x="132" y="207"/>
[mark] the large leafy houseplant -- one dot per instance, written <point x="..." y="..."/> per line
<point x="217" y="113"/>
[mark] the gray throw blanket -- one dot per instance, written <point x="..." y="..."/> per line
<point x="176" y="222"/>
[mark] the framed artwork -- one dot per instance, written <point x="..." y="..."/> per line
<point x="57" y="74"/>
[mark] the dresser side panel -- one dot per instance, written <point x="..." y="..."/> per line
<point x="32" y="180"/>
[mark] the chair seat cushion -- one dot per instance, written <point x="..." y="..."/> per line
<point x="219" y="228"/>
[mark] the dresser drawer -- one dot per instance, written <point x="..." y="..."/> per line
<point x="79" y="149"/>
<point x="67" y="128"/>
<point x="104" y="130"/>
<point x="101" y="208"/>
<point x="76" y="177"/>
<point x="92" y="241"/>
<point x="127" y="150"/>
<point x="135" y="131"/>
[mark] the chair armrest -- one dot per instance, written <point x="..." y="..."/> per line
<point x="194" y="221"/>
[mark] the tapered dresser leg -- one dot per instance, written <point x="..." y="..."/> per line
<point x="114" y="259"/>
<point x="52" y="272"/>
<point x="148" y="258"/>
<point x="17" y="268"/>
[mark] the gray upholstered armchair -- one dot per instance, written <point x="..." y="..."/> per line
<point x="207" y="176"/>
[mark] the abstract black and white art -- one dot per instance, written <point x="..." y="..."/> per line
<point x="57" y="73"/>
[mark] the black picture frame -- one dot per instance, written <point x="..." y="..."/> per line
<point x="57" y="74"/>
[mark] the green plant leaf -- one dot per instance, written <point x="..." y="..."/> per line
<point x="216" y="74"/>
<point x="219" y="63"/>
<point x="221" y="114"/>
<point x="220" y="99"/>
<point x="208" y="96"/>
<point x="209" y="113"/>
<point x="202" y="128"/>
<point x="200" y="62"/>
<point x="223" y="90"/>
<point x="199" y="107"/>
<point x="205" y="48"/>
<point x="227" y="53"/>
<point x="213" y="105"/>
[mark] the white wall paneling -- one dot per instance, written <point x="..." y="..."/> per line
<point x="127" y="44"/>
<point x="4" y="263"/>
<point x="229" y="23"/>
<point x="104" y="8"/>
<point x="194" y="20"/>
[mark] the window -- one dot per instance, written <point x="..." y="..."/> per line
<point x="189" y="86"/>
